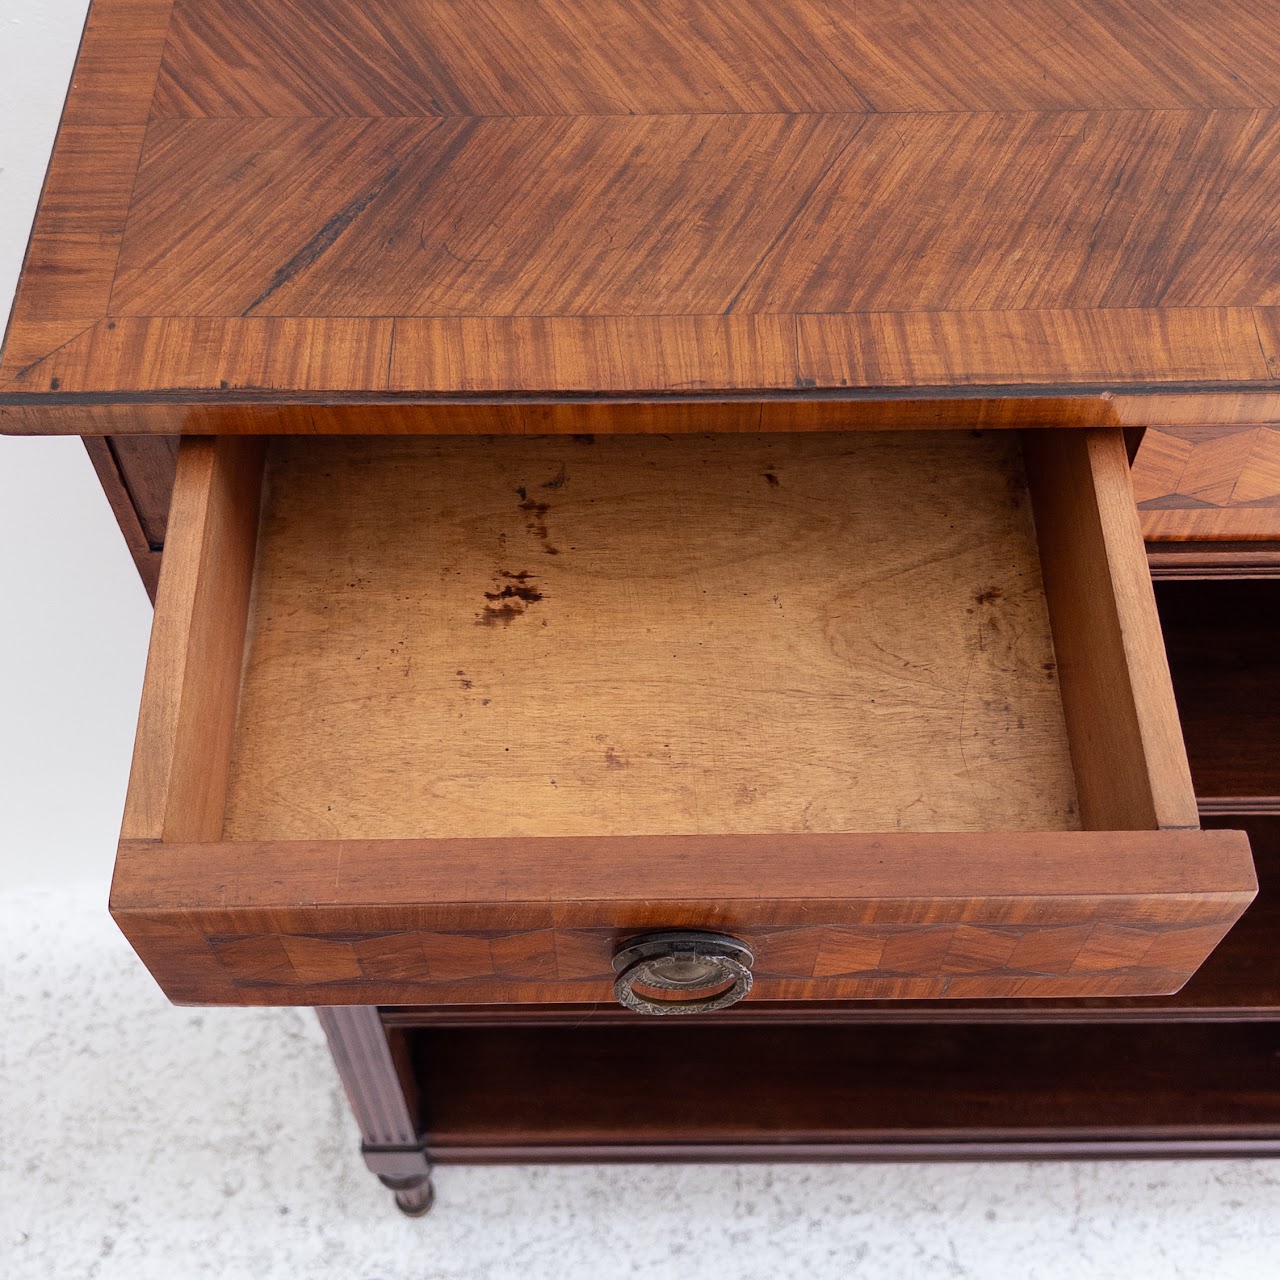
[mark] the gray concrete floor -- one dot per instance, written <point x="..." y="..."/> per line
<point x="142" y="1141"/>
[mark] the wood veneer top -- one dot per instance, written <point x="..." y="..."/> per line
<point x="265" y="200"/>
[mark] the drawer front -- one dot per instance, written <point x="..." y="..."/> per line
<point x="1209" y="501"/>
<point x="826" y="917"/>
<point x="452" y="721"/>
<point x="1209" y="484"/>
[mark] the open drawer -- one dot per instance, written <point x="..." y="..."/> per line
<point x="434" y="720"/>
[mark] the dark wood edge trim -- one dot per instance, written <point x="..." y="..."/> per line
<point x="820" y="1013"/>
<point x="201" y="411"/>
<point x="1047" y="1147"/>
<point x="1201" y="561"/>
<point x="1238" y="806"/>
<point x="1114" y="394"/>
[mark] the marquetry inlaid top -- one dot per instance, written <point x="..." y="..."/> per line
<point x="276" y="199"/>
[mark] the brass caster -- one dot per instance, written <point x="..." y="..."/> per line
<point x="417" y="1200"/>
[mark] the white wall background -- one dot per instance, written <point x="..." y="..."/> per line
<point x="73" y="615"/>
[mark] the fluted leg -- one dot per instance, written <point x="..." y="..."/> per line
<point x="390" y="1142"/>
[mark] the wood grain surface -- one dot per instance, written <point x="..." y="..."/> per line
<point x="1126" y="743"/>
<point x="1240" y="981"/>
<point x="263" y="199"/>
<point x="1202" y="561"/>
<point x="178" y="779"/>
<point x="909" y="916"/>
<point x="136" y="469"/>
<point x="1209" y="484"/>
<point x="625" y="635"/>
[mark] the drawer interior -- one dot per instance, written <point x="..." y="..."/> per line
<point x="633" y="635"/>
<point x="446" y="718"/>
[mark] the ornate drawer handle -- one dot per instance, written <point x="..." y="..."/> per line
<point x="682" y="960"/>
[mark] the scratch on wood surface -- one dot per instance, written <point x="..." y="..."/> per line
<point x="964" y="709"/>
<point x="322" y="241"/>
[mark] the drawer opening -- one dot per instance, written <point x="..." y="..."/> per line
<point x="1221" y="639"/>
<point x="705" y="681"/>
<point x="501" y="637"/>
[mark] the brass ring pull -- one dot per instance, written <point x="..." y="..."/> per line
<point x="682" y="960"/>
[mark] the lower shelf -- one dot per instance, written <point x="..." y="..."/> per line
<point x="678" y="1091"/>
